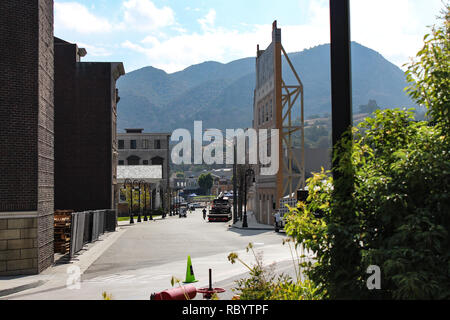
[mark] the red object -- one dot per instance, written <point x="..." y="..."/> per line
<point x="182" y="293"/>
<point x="208" y="293"/>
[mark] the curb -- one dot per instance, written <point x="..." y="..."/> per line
<point x="7" y="292"/>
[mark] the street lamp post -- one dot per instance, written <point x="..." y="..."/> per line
<point x="138" y="183"/>
<point x="241" y="193"/>
<point x="179" y="202"/>
<point x="248" y="173"/>
<point x="150" y="193"/>
<point x="127" y="183"/>
<point x="235" y="216"/>
<point x="145" y="200"/>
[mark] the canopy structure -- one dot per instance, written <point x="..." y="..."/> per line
<point x="150" y="174"/>
<point x="192" y="195"/>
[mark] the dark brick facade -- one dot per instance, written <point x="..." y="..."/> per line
<point x="19" y="35"/>
<point x="85" y="127"/>
<point x="26" y="135"/>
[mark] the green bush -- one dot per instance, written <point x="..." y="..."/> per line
<point x="398" y="215"/>
<point x="264" y="284"/>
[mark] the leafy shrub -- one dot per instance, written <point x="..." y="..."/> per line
<point x="264" y="284"/>
<point x="398" y="215"/>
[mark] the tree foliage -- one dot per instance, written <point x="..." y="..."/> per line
<point x="398" y="217"/>
<point x="205" y="181"/>
<point x="429" y="74"/>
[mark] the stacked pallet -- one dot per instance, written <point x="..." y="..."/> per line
<point x="62" y="224"/>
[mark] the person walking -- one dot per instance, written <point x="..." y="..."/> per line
<point x="204" y="214"/>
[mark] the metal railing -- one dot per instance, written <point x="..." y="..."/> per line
<point x="88" y="226"/>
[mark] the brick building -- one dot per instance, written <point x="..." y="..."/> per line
<point x="86" y="152"/>
<point x="26" y="136"/>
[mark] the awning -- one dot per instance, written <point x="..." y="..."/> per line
<point x="150" y="174"/>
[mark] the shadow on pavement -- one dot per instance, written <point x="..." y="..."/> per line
<point x="250" y="233"/>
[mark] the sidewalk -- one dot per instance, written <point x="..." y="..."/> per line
<point x="252" y="224"/>
<point x="61" y="271"/>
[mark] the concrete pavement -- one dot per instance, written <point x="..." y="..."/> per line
<point x="252" y="224"/>
<point x="144" y="257"/>
<point x="57" y="275"/>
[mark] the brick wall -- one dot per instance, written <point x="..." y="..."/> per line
<point x="26" y="136"/>
<point x="18" y="105"/>
<point x="45" y="136"/>
<point x="85" y="129"/>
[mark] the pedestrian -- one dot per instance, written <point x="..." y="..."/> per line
<point x="204" y="214"/>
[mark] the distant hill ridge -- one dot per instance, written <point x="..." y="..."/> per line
<point x="222" y="94"/>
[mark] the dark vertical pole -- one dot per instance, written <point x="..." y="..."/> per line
<point x="235" y="220"/>
<point x="178" y="202"/>
<point x="150" y="194"/>
<point x="130" y="206"/>
<point x="139" y="199"/>
<point x="344" y="285"/>
<point x="341" y="79"/>
<point x="210" y="280"/>
<point x="145" y="201"/>
<point x="240" y="198"/>
<point x="244" y="221"/>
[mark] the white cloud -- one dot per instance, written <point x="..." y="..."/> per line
<point x="76" y="17"/>
<point x="95" y="51"/>
<point x="151" y="40"/>
<point x="224" y="45"/>
<point x="143" y="15"/>
<point x="208" y="21"/>
<point x="393" y="28"/>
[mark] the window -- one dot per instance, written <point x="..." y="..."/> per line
<point x="133" y="160"/>
<point x="145" y="162"/>
<point x="121" y="144"/>
<point x="157" y="144"/>
<point x="145" y="144"/>
<point x="271" y="109"/>
<point x="157" y="161"/>
<point x="261" y="119"/>
<point x="121" y="162"/>
<point x="133" y="144"/>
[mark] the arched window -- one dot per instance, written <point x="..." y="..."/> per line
<point x="157" y="161"/>
<point x="133" y="160"/>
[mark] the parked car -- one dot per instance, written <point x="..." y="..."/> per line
<point x="195" y="205"/>
<point x="183" y="210"/>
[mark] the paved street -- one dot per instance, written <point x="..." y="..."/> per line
<point x="146" y="256"/>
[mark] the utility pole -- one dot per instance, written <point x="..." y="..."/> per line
<point x="241" y="194"/>
<point x="341" y="76"/>
<point x="235" y="214"/>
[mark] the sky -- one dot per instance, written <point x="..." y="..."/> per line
<point x="174" y="34"/>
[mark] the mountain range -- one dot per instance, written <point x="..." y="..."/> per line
<point x="222" y="94"/>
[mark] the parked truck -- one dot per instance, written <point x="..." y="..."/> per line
<point x="220" y="210"/>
